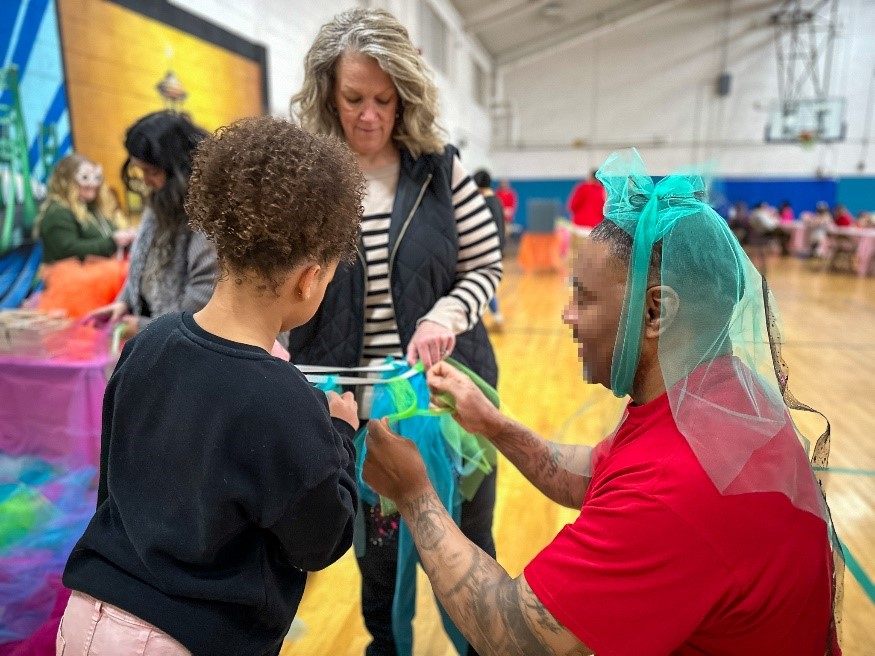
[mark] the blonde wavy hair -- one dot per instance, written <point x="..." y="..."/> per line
<point x="378" y="34"/>
<point x="63" y="190"/>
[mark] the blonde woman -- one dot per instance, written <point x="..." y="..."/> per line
<point x="429" y="257"/>
<point x="77" y="218"/>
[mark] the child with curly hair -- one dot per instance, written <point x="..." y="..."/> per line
<point x="224" y="476"/>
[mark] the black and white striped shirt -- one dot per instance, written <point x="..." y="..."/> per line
<point x="478" y="270"/>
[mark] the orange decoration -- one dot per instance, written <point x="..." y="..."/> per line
<point x="77" y="287"/>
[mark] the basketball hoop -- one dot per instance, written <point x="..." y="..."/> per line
<point x="807" y="139"/>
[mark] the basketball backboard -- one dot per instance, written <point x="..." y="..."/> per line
<point x="806" y="120"/>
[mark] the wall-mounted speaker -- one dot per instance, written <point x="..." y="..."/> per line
<point x="724" y="84"/>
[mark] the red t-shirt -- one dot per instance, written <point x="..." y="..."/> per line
<point x="843" y="220"/>
<point x="587" y="204"/>
<point x="508" y="200"/>
<point x="659" y="562"/>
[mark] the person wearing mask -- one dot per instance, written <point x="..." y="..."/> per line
<point x="78" y="217"/>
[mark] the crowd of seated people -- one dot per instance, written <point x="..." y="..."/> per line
<point x="765" y="224"/>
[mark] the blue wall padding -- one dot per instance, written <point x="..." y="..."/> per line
<point x="802" y="193"/>
<point x="858" y="194"/>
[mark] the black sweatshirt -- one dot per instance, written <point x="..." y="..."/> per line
<point x="223" y="480"/>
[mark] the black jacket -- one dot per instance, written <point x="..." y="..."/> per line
<point x="223" y="480"/>
<point x="423" y="251"/>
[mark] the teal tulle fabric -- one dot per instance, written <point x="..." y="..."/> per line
<point x="719" y="343"/>
<point x="456" y="461"/>
<point x="43" y="511"/>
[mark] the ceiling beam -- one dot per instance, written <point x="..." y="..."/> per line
<point x="581" y="31"/>
<point x="501" y="11"/>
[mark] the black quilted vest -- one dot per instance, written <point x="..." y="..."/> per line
<point x="423" y="250"/>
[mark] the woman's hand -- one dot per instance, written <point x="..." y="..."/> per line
<point x="131" y="324"/>
<point x="431" y="343"/>
<point x="123" y="238"/>
<point x="112" y="313"/>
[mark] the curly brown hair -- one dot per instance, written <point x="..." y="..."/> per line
<point x="271" y="197"/>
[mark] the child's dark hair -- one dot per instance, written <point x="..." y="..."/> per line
<point x="271" y="196"/>
<point x="482" y="178"/>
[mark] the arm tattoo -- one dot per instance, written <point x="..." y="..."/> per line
<point x="498" y="615"/>
<point x="560" y="471"/>
<point x="431" y="530"/>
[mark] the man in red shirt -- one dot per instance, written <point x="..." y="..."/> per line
<point x="701" y="526"/>
<point x="508" y="199"/>
<point x="587" y="202"/>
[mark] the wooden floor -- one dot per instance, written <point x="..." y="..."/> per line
<point x="829" y="329"/>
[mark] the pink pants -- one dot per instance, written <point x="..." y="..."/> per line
<point x="94" y="628"/>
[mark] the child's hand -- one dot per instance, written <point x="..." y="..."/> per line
<point x="344" y="407"/>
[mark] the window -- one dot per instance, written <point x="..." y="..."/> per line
<point x="435" y="40"/>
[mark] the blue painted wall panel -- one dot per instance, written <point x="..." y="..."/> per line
<point x="802" y="194"/>
<point x="858" y="194"/>
<point x="30" y="40"/>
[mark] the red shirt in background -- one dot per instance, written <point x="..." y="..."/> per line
<point x="844" y="219"/>
<point x="508" y="200"/>
<point x="659" y="562"/>
<point x="587" y="203"/>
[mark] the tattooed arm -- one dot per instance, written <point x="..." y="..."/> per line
<point x="499" y="616"/>
<point x="560" y="471"/>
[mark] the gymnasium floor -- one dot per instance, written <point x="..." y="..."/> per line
<point x="829" y="334"/>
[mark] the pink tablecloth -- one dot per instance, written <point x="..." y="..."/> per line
<point x="798" y="237"/>
<point x="865" y="252"/>
<point x="52" y="409"/>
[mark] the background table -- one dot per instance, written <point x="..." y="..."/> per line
<point x="52" y="408"/>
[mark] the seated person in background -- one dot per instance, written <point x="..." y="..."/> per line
<point x="224" y="476"/>
<point x="702" y="529"/>
<point x="818" y="226"/>
<point x="764" y="225"/>
<point x="763" y="219"/>
<point x="739" y="221"/>
<point x="866" y="220"/>
<point x="786" y="212"/>
<point x="76" y="219"/>
<point x="842" y="217"/>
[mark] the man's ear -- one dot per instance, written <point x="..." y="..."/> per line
<point x="307" y="281"/>
<point x="661" y="306"/>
